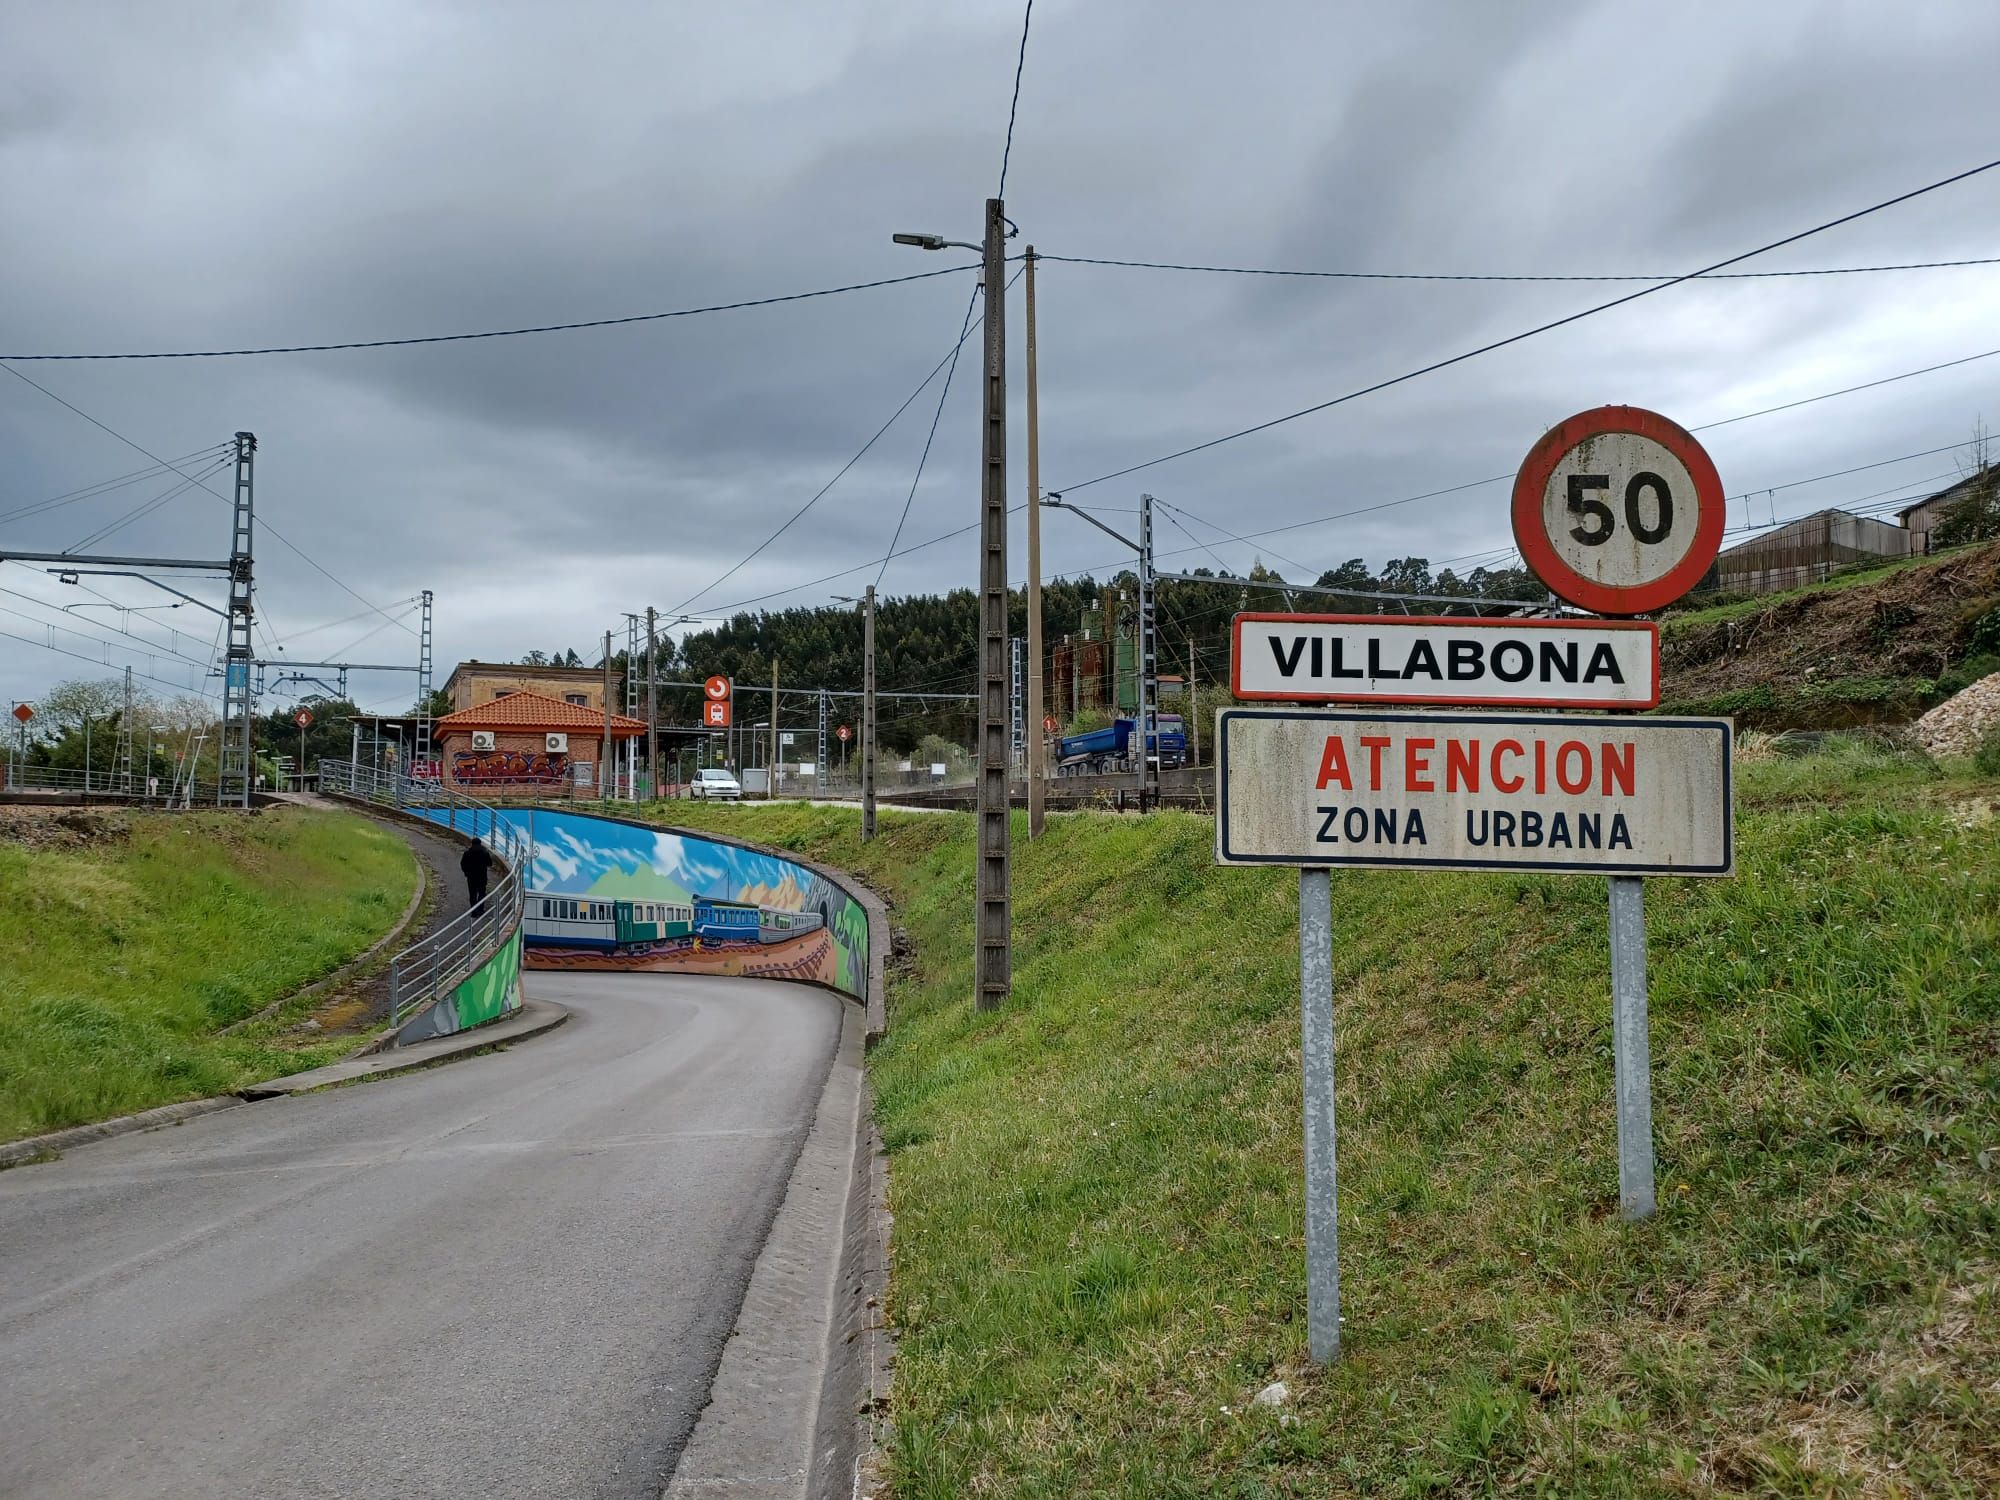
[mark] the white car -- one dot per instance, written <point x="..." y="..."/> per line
<point x="712" y="783"/>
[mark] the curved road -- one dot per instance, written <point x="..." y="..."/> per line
<point x="509" y="1276"/>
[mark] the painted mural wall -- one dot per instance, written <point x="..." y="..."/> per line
<point x="604" y="895"/>
<point x="486" y="994"/>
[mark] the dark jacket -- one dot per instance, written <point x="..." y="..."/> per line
<point x="476" y="862"/>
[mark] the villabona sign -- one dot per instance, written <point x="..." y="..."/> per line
<point x="1474" y="791"/>
<point x="1400" y="659"/>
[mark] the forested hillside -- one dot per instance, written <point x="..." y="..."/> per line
<point x="929" y="642"/>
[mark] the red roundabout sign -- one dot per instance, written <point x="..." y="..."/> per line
<point x="717" y="689"/>
<point x="1618" y="510"/>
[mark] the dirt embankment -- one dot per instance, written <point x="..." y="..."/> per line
<point x="1824" y="657"/>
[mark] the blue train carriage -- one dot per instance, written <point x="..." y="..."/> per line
<point x="719" y="921"/>
<point x="1100" y="751"/>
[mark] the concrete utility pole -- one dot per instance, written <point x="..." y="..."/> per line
<point x="993" y="977"/>
<point x="604" y="760"/>
<point x="1147" y="643"/>
<point x="771" y="774"/>
<point x="1037" y="706"/>
<point x="652" y="702"/>
<point x="237" y="763"/>
<point x="868" y="717"/>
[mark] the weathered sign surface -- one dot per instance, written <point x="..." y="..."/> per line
<point x="1618" y="510"/>
<point x="1556" y="792"/>
<point x="1402" y="659"/>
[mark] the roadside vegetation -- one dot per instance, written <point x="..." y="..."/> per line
<point x="128" y="940"/>
<point x="1098" y="1245"/>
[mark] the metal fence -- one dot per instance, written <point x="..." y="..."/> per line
<point x="442" y="960"/>
<point x="16" y="776"/>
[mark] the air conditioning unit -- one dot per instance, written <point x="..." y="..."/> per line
<point x="482" y="739"/>
<point x="558" y="744"/>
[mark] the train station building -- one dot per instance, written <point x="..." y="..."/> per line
<point x="528" y="744"/>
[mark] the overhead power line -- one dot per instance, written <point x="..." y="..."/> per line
<point x="944" y="394"/>
<point x="1540" y="328"/>
<point x="104" y="486"/>
<point x="1168" y="265"/>
<point x="950" y="356"/>
<point x="505" y="333"/>
<point x="1020" y="62"/>
<point x="263" y="522"/>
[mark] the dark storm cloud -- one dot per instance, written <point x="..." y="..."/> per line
<point x="272" y="173"/>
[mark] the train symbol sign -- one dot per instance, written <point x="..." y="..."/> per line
<point x="716" y="689"/>
<point x="1618" y="510"/>
<point x="714" y="714"/>
<point x="23" y="712"/>
<point x="303" y="718"/>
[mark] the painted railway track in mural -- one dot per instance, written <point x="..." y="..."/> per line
<point x="808" y="956"/>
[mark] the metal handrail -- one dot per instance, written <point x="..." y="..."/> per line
<point x="173" y="791"/>
<point x="444" y="958"/>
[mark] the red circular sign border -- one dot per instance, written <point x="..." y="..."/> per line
<point x="707" y="689"/>
<point x="1564" y="581"/>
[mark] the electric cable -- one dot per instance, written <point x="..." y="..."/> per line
<point x="276" y="534"/>
<point x="860" y="453"/>
<point x="1540" y="328"/>
<point x="964" y="327"/>
<point x="1164" y="265"/>
<point x="1020" y="62"/>
<point x="500" y="333"/>
<point x="103" y="487"/>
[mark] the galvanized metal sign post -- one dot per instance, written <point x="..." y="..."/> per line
<point x="1316" y="1064"/>
<point x="1618" y="511"/>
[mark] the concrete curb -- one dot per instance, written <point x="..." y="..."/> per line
<point x="532" y="1019"/>
<point x="28" y="1149"/>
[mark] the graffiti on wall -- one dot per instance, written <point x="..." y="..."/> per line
<point x="603" y="895"/>
<point x="509" y="768"/>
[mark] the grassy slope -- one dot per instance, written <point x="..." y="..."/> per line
<point x="118" y="962"/>
<point x="1098" y="1243"/>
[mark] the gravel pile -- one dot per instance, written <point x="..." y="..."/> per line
<point x="1957" y="725"/>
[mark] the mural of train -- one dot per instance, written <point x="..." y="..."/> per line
<point x="631" y="926"/>
<point x="1104" y="750"/>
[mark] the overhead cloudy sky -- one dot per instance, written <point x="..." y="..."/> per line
<point x="211" y="175"/>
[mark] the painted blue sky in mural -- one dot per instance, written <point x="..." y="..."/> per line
<point x="580" y="855"/>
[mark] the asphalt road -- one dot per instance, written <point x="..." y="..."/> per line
<point x="510" y="1276"/>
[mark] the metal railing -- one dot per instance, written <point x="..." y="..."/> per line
<point x="165" y="791"/>
<point x="443" y="959"/>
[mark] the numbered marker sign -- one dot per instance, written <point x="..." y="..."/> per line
<point x="1618" y="510"/>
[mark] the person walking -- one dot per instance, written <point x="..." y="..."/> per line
<point x="477" y="863"/>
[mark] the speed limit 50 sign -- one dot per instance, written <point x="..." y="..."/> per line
<point x="1618" y="510"/>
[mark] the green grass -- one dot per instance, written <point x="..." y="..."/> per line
<point x="1854" y="576"/>
<point x="120" y="961"/>
<point x="1098" y="1246"/>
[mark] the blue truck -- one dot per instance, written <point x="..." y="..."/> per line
<point x="1111" y="749"/>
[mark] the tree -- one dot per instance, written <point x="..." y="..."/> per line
<point x="1975" y="514"/>
<point x="1407" y="575"/>
<point x="1352" y="574"/>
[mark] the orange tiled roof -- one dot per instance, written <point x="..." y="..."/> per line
<point x="539" y="713"/>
